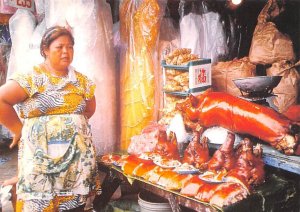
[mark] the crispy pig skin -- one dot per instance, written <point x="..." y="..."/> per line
<point x="293" y="113"/>
<point x="228" y="194"/>
<point x="176" y="182"/>
<point x="191" y="187"/>
<point x="131" y="162"/>
<point x="241" y="116"/>
<point x="207" y="190"/>
<point x="110" y="158"/>
<point x="142" y="170"/>
<point x="165" y="177"/>
<point x="128" y="167"/>
<point x="155" y="175"/>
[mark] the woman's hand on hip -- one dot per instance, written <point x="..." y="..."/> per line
<point x="15" y="141"/>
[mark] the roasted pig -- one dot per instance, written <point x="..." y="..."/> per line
<point x="293" y="113"/>
<point x="155" y="175"/>
<point x="165" y="177"/>
<point x="240" y="116"/>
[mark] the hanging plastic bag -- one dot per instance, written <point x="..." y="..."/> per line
<point x="202" y="31"/>
<point x="21" y="27"/>
<point x="169" y="40"/>
<point x="192" y="33"/>
<point x="5" y="8"/>
<point x="139" y="30"/>
<point x="35" y="56"/>
<point x="40" y="10"/>
<point x="55" y="12"/>
<point x="95" y="57"/>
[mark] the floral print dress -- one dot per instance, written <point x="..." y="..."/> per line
<point x="57" y="167"/>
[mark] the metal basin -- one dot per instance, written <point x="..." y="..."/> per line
<point x="260" y="85"/>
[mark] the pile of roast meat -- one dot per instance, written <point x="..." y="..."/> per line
<point x="228" y="176"/>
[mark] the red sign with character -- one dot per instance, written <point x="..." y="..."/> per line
<point x="22" y="4"/>
<point x="202" y="77"/>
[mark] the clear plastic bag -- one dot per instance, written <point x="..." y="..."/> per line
<point x="94" y="56"/>
<point x="55" y="12"/>
<point x="139" y="31"/>
<point x="202" y="30"/>
<point x="40" y="10"/>
<point x="34" y="44"/>
<point x="21" y="26"/>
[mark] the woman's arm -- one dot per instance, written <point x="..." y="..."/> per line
<point x="11" y="93"/>
<point x="90" y="108"/>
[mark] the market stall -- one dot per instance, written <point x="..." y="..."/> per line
<point x="200" y="97"/>
<point x="251" y="92"/>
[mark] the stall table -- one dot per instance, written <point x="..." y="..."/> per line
<point x="276" y="194"/>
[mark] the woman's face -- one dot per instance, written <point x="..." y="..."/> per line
<point x="60" y="52"/>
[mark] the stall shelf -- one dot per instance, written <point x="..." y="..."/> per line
<point x="276" y="194"/>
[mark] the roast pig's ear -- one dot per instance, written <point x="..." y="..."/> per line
<point x="194" y="100"/>
<point x="196" y="136"/>
<point x="162" y="136"/>
<point x="173" y="138"/>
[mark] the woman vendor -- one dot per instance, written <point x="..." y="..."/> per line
<point x="57" y="162"/>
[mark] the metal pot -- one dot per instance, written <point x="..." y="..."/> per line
<point x="258" y="85"/>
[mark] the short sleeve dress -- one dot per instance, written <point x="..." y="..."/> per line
<point x="57" y="167"/>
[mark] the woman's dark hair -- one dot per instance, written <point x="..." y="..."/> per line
<point x="52" y="34"/>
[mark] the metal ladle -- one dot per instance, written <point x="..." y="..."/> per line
<point x="293" y="66"/>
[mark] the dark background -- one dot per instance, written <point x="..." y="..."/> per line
<point x="245" y="19"/>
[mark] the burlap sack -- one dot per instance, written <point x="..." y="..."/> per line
<point x="287" y="90"/>
<point x="268" y="44"/>
<point x="224" y="72"/>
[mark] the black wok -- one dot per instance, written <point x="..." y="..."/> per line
<point x="257" y="85"/>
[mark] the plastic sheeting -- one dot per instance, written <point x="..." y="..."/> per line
<point x="34" y="44"/>
<point x="169" y="40"/>
<point x="21" y="27"/>
<point x="55" y="12"/>
<point x="139" y="31"/>
<point x="95" y="57"/>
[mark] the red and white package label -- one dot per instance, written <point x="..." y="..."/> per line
<point x="200" y="76"/>
<point x="21" y="4"/>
